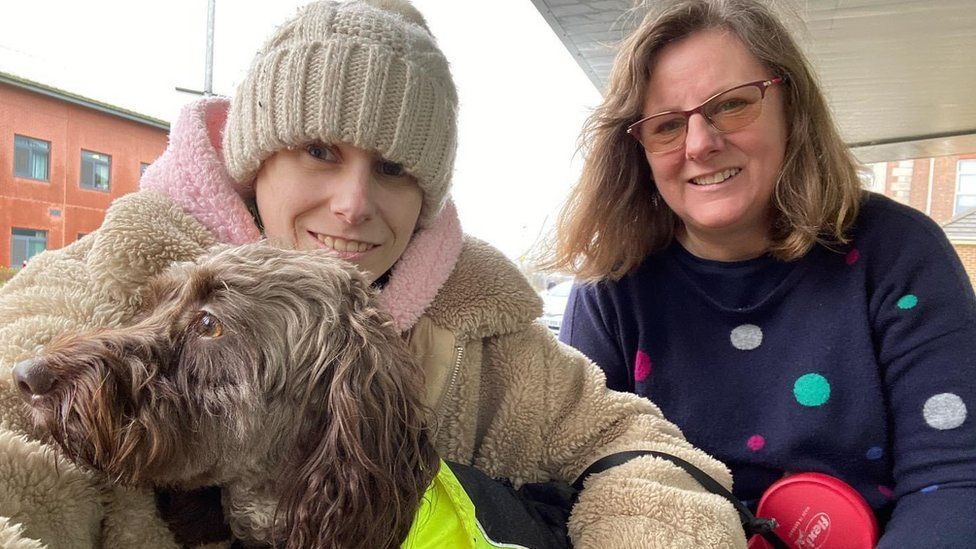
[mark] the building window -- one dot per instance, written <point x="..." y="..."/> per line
<point x="965" y="186"/>
<point x="32" y="157"/>
<point x="25" y="244"/>
<point x="96" y="168"/>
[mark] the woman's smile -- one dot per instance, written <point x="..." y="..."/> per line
<point x="340" y="244"/>
<point x="716" y="178"/>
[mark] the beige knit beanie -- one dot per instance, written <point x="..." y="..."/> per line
<point x="365" y="72"/>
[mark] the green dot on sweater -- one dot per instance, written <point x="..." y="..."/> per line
<point x="907" y="301"/>
<point x="811" y="390"/>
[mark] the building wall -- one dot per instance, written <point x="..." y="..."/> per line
<point x="899" y="184"/>
<point x="967" y="253"/>
<point x="60" y="206"/>
<point x="909" y="182"/>
<point x="944" y="185"/>
<point x="929" y="185"/>
<point x="918" y="193"/>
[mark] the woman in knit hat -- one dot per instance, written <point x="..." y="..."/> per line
<point x="342" y="136"/>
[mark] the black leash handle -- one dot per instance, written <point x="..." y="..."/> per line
<point x="750" y="523"/>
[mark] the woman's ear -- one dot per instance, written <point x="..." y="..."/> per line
<point x="363" y="458"/>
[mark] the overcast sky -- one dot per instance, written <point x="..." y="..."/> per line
<point x="523" y="97"/>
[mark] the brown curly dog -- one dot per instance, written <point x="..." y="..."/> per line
<point x="268" y="372"/>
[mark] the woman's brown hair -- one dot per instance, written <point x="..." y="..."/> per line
<point x="615" y="217"/>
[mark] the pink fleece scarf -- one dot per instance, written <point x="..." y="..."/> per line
<point x="191" y="172"/>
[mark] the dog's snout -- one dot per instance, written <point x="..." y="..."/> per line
<point x="33" y="378"/>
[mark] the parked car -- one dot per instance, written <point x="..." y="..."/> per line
<point x="554" y="302"/>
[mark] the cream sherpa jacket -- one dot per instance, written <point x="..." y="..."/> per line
<point x="507" y="397"/>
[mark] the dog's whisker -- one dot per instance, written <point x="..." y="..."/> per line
<point x="63" y="411"/>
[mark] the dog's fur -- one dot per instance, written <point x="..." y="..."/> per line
<point x="268" y="372"/>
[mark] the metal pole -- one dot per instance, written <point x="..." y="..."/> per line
<point x="208" y="77"/>
<point x="928" y="197"/>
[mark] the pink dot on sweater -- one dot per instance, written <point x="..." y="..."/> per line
<point x="642" y="366"/>
<point x="888" y="493"/>
<point x="756" y="443"/>
<point x="852" y="256"/>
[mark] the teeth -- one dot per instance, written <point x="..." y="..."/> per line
<point x="717" y="177"/>
<point x="343" y="245"/>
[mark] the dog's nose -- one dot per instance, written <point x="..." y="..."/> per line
<point x="33" y="378"/>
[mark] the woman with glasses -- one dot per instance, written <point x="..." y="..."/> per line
<point x="731" y="268"/>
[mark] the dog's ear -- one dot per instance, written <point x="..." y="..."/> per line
<point x="364" y="456"/>
<point x="162" y="287"/>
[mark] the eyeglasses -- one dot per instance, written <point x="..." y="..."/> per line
<point x="726" y="111"/>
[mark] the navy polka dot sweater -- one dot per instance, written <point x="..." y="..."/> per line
<point x="857" y="362"/>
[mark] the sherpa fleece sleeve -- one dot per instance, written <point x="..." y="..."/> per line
<point x="555" y="412"/>
<point x="11" y="537"/>
<point x="93" y="283"/>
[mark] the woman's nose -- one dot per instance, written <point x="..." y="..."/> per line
<point x="352" y="199"/>
<point x="702" y="139"/>
<point x="33" y="378"/>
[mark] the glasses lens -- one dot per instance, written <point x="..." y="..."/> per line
<point x="663" y="133"/>
<point x="735" y="108"/>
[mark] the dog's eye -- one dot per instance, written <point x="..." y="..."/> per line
<point x="208" y="325"/>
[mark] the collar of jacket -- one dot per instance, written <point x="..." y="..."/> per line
<point x="486" y="295"/>
<point x="191" y="172"/>
<point x="477" y="293"/>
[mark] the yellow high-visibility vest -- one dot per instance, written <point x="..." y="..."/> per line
<point x="446" y="518"/>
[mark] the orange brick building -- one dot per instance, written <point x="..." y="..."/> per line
<point x="944" y="188"/>
<point x="63" y="159"/>
<point x="962" y="233"/>
<point x="967" y="252"/>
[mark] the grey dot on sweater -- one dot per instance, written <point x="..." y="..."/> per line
<point x="746" y="337"/>
<point x="944" y="411"/>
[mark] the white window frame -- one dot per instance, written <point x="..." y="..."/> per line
<point x="26" y="240"/>
<point x="965" y="175"/>
<point x="95" y="160"/>
<point x="27" y="151"/>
